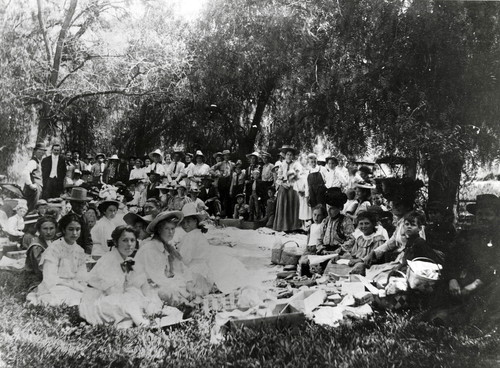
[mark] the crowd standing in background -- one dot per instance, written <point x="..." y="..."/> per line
<point x="142" y="219"/>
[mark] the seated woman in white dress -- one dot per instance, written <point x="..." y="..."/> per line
<point x="118" y="293"/>
<point x="158" y="259"/>
<point x="101" y="232"/>
<point x="206" y="266"/>
<point x="64" y="270"/>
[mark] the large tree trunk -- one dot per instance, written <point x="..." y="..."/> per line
<point x="444" y="172"/>
<point x="45" y="125"/>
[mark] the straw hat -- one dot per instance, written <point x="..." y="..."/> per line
<point x="287" y="148"/>
<point x="156" y="152"/>
<point x="365" y="185"/>
<point x="226" y="152"/>
<point x="190" y="210"/>
<point x="216" y="154"/>
<point x="100" y="155"/>
<point x="114" y="157"/>
<point x="78" y="195"/>
<point x="255" y="153"/>
<point x="41" y="202"/>
<point x="164" y="216"/>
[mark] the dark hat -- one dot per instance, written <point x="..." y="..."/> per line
<point x="489" y="201"/>
<point x="103" y="206"/>
<point x="132" y="218"/>
<point x="78" y="195"/>
<point x="379" y="212"/>
<point x="365" y="169"/>
<point x="336" y="199"/>
<point x="216" y="154"/>
<point x="240" y="195"/>
<point x="40" y="146"/>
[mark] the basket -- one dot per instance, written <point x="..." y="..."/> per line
<point x="395" y="301"/>
<point x="289" y="258"/>
<point x="420" y="282"/>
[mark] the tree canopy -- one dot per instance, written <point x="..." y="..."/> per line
<point x="412" y="78"/>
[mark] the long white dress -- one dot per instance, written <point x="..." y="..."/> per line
<point x="163" y="271"/>
<point x="115" y="296"/>
<point x="64" y="275"/>
<point x="206" y="265"/>
<point x="300" y="186"/>
<point x="101" y="233"/>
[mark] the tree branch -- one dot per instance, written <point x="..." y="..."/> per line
<point x="44" y="33"/>
<point x="60" y="42"/>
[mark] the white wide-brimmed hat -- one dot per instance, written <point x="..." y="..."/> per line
<point x="190" y="210"/>
<point x="156" y="152"/>
<point x="164" y="216"/>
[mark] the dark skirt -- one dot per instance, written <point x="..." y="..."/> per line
<point x="287" y="210"/>
<point x="317" y="189"/>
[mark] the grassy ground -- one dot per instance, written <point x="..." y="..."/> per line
<point x="57" y="337"/>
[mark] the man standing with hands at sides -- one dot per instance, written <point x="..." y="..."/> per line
<point x="53" y="173"/>
<point x="32" y="177"/>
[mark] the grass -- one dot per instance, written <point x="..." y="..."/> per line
<point x="57" y="337"/>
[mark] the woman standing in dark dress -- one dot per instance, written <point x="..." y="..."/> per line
<point x="287" y="202"/>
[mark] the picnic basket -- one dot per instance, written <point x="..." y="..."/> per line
<point x="419" y="281"/>
<point x="282" y="256"/>
<point x="396" y="301"/>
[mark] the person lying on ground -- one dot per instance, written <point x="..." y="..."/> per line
<point x="64" y="269"/>
<point x="118" y="293"/>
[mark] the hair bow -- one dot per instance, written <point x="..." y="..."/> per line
<point x="127" y="265"/>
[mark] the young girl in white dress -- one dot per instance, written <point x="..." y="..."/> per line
<point x="118" y="293"/>
<point x="101" y="232"/>
<point x="64" y="269"/>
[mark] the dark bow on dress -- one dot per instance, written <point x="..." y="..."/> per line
<point x="127" y="265"/>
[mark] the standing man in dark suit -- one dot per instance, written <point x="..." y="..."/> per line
<point x="53" y="173"/>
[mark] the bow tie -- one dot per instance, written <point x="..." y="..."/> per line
<point x="127" y="265"/>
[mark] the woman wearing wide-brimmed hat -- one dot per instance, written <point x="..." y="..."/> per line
<point x="159" y="260"/>
<point x="199" y="170"/>
<point x="181" y="198"/>
<point x="156" y="163"/>
<point x="287" y="202"/>
<point x="206" y="266"/>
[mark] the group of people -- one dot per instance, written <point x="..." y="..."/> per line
<point x="278" y="194"/>
<point x="372" y="223"/>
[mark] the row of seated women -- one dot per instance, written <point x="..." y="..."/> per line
<point x="127" y="285"/>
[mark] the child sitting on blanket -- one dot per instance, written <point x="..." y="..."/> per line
<point x="368" y="240"/>
<point x="313" y="238"/>
<point x="415" y="246"/>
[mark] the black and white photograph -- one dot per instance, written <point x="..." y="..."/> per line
<point x="250" y="183"/>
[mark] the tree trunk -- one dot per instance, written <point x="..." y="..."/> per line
<point x="247" y="143"/>
<point x="444" y="172"/>
<point x="45" y="125"/>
